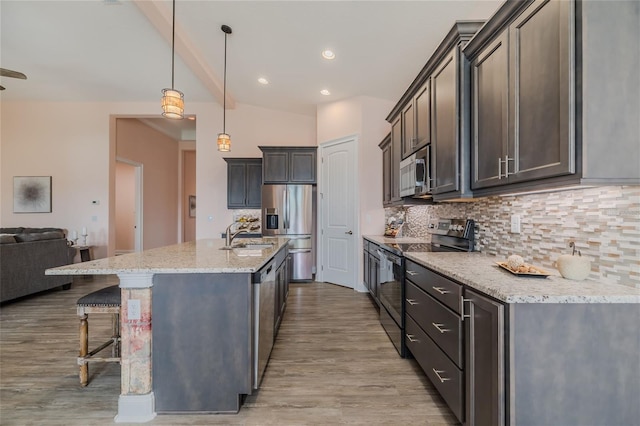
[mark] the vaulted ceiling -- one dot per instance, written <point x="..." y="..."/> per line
<point x="117" y="50"/>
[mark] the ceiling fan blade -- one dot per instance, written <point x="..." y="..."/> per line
<point x="1" y="88"/>
<point x="13" y="74"/>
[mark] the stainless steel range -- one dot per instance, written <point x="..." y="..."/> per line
<point x="447" y="235"/>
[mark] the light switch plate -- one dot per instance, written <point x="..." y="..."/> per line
<point x="515" y="224"/>
<point x="133" y="309"/>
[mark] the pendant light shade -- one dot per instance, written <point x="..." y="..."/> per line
<point x="224" y="140"/>
<point x="172" y="99"/>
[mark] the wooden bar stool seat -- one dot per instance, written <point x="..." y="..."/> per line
<point x="104" y="301"/>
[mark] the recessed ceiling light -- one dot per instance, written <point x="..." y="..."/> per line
<point x="328" y="54"/>
<point x="263" y="80"/>
<point x="191" y="117"/>
<point x="325" y="92"/>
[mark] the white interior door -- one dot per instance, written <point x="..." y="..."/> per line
<point x="338" y="209"/>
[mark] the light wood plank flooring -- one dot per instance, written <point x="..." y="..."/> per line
<point x="332" y="363"/>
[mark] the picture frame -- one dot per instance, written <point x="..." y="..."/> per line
<point x="192" y="206"/>
<point x="32" y="194"/>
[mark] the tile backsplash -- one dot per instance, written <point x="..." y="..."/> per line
<point x="604" y="222"/>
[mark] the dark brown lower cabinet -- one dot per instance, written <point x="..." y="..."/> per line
<point x="484" y="367"/>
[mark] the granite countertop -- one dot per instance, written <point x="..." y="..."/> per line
<point x="201" y="256"/>
<point x="479" y="271"/>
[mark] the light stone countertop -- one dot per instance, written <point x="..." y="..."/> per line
<point x="479" y="271"/>
<point x="201" y="256"/>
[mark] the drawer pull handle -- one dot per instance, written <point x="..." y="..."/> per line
<point x="411" y="339"/>
<point x="438" y="327"/>
<point x="412" y="302"/>
<point x="412" y="273"/>
<point x="442" y="379"/>
<point x="441" y="290"/>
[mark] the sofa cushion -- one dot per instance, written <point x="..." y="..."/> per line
<point x="36" y="230"/>
<point x="11" y="230"/>
<point x="7" y="238"/>
<point x="39" y="236"/>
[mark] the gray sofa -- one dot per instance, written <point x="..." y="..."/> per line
<point x="25" y="253"/>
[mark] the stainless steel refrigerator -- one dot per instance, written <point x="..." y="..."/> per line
<point x="290" y="210"/>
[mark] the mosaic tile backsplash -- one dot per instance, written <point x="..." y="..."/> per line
<point x="604" y="222"/>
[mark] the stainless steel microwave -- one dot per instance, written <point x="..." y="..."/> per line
<point x="415" y="174"/>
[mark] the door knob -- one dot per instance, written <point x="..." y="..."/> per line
<point x="349" y="232"/>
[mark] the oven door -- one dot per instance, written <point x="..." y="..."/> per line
<point x="391" y="295"/>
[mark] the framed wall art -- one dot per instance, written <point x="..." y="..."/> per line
<point x="32" y="194"/>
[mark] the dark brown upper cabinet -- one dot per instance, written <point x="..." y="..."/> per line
<point x="244" y="183"/>
<point x="551" y="105"/>
<point x="289" y="164"/>
<point x="435" y="110"/>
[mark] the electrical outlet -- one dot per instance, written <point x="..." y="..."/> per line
<point x="133" y="309"/>
<point x="515" y="224"/>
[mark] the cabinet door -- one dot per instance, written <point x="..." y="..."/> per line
<point x="444" y="147"/>
<point x="396" y="140"/>
<point x="302" y="166"/>
<point x="236" y="179"/>
<point x="422" y="102"/>
<point x="540" y="82"/>
<point x="275" y="167"/>
<point x="490" y="125"/>
<point x="386" y="173"/>
<point x="254" y="185"/>
<point x="408" y="130"/>
<point x="484" y="365"/>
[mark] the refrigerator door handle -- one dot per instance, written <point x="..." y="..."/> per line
<point x="287" y="206"/>
<point x="285" y="203"/>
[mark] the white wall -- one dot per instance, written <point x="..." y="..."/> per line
<point x="364" y="117"/>
<point x="71" y="142"/>
<point x="249" y="128"/>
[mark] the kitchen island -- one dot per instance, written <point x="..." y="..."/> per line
<point x="197" y="323"/>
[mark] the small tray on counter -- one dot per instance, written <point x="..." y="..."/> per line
<point x="541" y="273"/>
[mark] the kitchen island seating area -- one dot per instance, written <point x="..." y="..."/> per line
<point x="103" y="301"/>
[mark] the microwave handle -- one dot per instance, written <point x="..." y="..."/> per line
<point x="421" y="165"/>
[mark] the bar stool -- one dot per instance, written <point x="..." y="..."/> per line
<point x="105" y="301"/>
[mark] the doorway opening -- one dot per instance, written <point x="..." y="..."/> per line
<point x="128" y="206"/>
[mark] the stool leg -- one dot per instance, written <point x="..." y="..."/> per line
<point x="84" y="349"/>
<point x="115" y="335"/>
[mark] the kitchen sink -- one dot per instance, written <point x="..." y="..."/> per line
<point x="249" y="245"/>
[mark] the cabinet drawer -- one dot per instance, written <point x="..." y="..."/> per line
<point x="442" y="289"/>
<point x="443" y="373"/>
<point x="442" y="325"/>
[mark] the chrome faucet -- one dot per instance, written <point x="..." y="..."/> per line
<point x="229" y="236"/>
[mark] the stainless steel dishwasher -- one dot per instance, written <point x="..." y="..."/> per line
<point x="264" y="320"/>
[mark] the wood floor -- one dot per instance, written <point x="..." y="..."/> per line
<point x="332" y="364"/>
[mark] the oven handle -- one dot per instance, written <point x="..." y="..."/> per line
<point x="392" y="258"/>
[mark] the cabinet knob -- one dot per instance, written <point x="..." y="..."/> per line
<point x="349" y="232"/>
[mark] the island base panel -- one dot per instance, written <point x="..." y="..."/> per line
<point x="201" y="342"/>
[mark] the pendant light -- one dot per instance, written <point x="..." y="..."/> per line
<point x="224" y="140"/>
<point x="173" y="100"/>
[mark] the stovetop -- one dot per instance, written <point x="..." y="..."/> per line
<point x="447" y="235"/>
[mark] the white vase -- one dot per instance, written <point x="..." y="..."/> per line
<point x="573" y="267"/>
